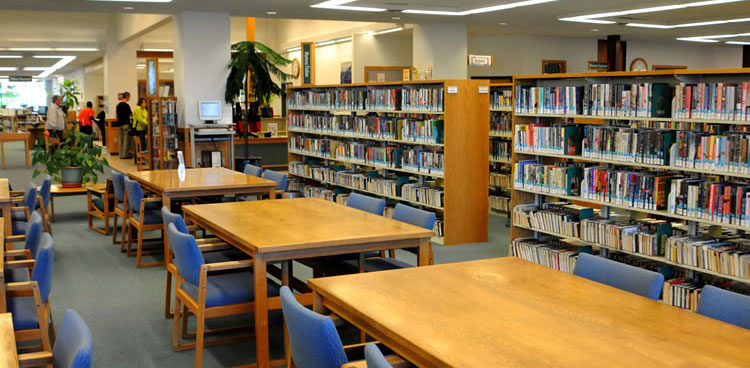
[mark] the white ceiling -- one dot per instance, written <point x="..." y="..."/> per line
<point x="78" y="23"/>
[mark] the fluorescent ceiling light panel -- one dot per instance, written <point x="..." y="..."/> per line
<point x="389" y="30"/>
<point x="64" y="60"/>
<point x="8" y="68"/>
<point x="591" y="18"/>
<point x="696" y="24"/>
<point x="339" y="5"/>
<point x="158" y="50"/>
<point x="11" y="56"/>
<point x="133" y="1"/>
<point x="76" y="49"/>
<point x="737" y="43"/>
<point x="34" y="69"/>
<point x="487" y="9"/>
<point x="325" y="43"/>
<point x="696" y="39"/>
<point x="293" y="49"/>
<point x="31" y="49"/>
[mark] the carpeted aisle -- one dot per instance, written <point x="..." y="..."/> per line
<point x="124" y="306"/>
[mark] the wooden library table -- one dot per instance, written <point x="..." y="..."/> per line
<point x="201" y="182"/>
<point x="15" y="137"/>
<point x="8" y="353"/>
<point x="3" y="307"/>
<point x="5" y="201"/>
<point x="57" y="190"/>
<point x="288" y="229"/>
<point x="506" y="312"/>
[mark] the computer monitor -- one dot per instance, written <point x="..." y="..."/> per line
<point x="42" y="110"/>
<point x="209" y="111"/>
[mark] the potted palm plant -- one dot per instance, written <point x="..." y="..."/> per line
<point x="253" y="68"/>
<point x="74" y="162"/>
<point x="69" y="92"/>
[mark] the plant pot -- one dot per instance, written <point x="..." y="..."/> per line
<point x="71" y="177"/>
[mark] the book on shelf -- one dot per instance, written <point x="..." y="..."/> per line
<point x="637" y="189"/>
<point x="500" y="150"/>
<point x="557" y="138"/>
<point x="562" y="178"/>
<point x="375" y="127"/>
<point x="710" y="199"/>
<point x="729" y="255"/>
<point x="681" y="293"/>
<point x="727" y="152"/>
<point x="501" y="123"/>
<point x="714" y="101"/>
<point x="645" y="146"/>
<point x="562" y="218"/>
<point x="501" y="98"/>
<point x="554" y="254"/>
<point x="601" y="100"/>
<point x="643" y="236"/>
<point x="428" y="98"/>
<point x="500" y="203"/>
<point x="500" y="180"/>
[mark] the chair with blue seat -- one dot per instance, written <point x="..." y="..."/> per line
<point x="74" y="347"/>
<point x="141" y="218"/>
<point x="100" y="205"/>
<point x="253" y="170"/>
<point x="724" y="305"/>
<point x="118" y="209"/>
<point x="375" y="358"/>
<point x="313" y="339"/>
<point x="26" y="256"/>
<point x="206" y="294"/>
<point x="366" y="203"/>
<point x="20" y="213"/>
<point x="210" y="247"/>
<point x="31" y="314"/>
<point x="619" y="275"/>
<point x="278" y="177"/>
<point x="43" y="201"/>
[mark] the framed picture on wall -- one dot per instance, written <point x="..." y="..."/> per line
<point x="554" y="66"/>
<point x="346" y="72"/>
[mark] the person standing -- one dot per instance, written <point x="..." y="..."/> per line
<point x="55" y="123"/>
<point x="100" y="121"/>
<point x="84" y="119"/>
<point x="123" y="121"/>
<point x="140" y="122"/>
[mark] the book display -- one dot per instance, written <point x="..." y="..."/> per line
<point x="501" y="134"/>
<point x="416" y="143"/>
<point x="643" y="165"/>
<point x="163" y="127"/>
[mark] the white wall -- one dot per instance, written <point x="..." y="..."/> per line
<point x="94" y="86"/>
<point x="517" y="55"/>
<point x="120" y="74"/>
<point x="132" y="25"/>
<point x="379" y="50"/>
<point x="442" y="46"/>
<point x="201" y="55"/>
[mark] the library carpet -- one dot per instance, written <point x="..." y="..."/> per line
<point x="124" y="306"/>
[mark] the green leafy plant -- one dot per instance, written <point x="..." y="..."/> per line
<point x="76" y="150"/>
<point x="69" y="93"/>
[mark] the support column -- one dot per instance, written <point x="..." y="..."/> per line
<point x="202" y="47"/>
<point x="442" y="46"/>
<point x="120" y="74"/>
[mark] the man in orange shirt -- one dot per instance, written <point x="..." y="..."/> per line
<point x="84" y="117"/>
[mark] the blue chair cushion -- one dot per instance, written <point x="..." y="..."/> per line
<point x="150" y="206"/>
<point x="150" y="217"/>
<point x="228" y="289"/>
<point x="23" y="312"/>
<point x="98" y="203"/>
<point x="18" y="227"/>
<point x="18" y="215"/>
<point x="17" y="275"/>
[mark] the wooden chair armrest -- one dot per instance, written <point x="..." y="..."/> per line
<point x="24" y="263"/>
<point x="19" y="208"/>
<point x="192" y="228"/>
<point x="231" y="265"/>
<point x="18" y="253"/>
<point x="36" y="359"/>
<point x="16" y="200"/>
<point x="15" y="193"/>
<point x="20" y="286"/>
<point x="15" y="238"/>
<point x="96" y="191"/>
<point x="152" y="199"/>
<point x="213" y="247"/>
<point x="357" y="364"/>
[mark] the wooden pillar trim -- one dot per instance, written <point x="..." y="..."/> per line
<point x="250" y="28"/>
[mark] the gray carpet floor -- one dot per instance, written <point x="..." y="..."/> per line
<point x="123" y="305"/>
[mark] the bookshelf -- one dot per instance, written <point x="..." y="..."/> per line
<point x="163" y="131"/>
<point x="418" y="143"/>
<point x="501" y="135"/>
<point x="691" y="140"/>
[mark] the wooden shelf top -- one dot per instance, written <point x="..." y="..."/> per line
<point x="648" y="73"/>
<point x="382" y="84"/>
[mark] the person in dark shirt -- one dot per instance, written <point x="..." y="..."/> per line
<point x="100" y="119"/>
<point x="123" y="121"/>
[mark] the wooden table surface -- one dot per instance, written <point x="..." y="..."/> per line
<point x="8" y="354"/>
<point x="507" y="312"/>
<point x="287" y="229"/>
<point x="300" y="223"/>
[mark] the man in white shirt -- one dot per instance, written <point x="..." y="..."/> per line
<point x="55" y="118"/>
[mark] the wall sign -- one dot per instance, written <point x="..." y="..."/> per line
<point x="480" y="60"/>
<point x="598" y="65"/>
<point x="308" y="63"/>
<point x="152" y="78"/>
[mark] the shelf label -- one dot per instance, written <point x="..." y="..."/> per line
<point x="452" y="89"/>
<point x="484" y="89"/>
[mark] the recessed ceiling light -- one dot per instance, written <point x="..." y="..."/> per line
<point x="396" y="18"/>
<point x="502" y="24"/>
<point x="128" y="7"/>
<point x="594" y="30"/>
<point x="271" y="13"/>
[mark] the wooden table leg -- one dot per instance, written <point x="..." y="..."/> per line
<point x="261" y="312"/>
<point x="425" y="249"/>
<point x="166" y="202"/>
<point x="52" y="208"/>
<point x="272" y="193"/>
<point x="26" y="148"/>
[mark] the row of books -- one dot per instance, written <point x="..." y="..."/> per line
<point x="500" y="150"/>
<point x="717" y="101"/>
<point x="501" y="123"/>
<point x="412" y="130"/>
<point x="562" y="218"/>
<point x="681" y="293"/>
<point x="642" y="236"/>
<point x="500" y="203"/>
<point x="707" y="199"/>
<point x="605" y="100"/>
<point x="726" y="152"/>
<point x="418" y="99"/>
<point x="558" y="138"/>
<point x="550" y="253"/>
<point x="644" y="146"/>
<point x="500" y="180"/>
<point x="729" y="255"/>
<point x="563" y="178"/>
<point x="423" y="193"/>
<point x="501" y="99"/>
<point x="424" y="161"/>
<point x="640" y="189"/>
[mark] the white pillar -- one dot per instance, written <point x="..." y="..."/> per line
<point x="442" y="46"/>
<point x="120" y="74"/>
<point x="202" y="47"/>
